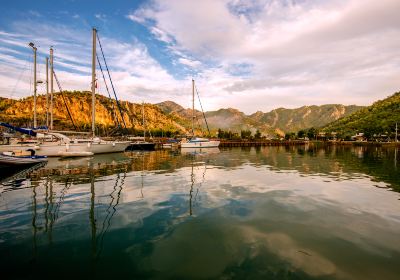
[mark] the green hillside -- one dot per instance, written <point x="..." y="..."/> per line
<point x="379" y="118"/>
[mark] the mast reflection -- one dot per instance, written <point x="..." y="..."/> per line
<point x="197" y="152"/>
<point x="34" y="217"/>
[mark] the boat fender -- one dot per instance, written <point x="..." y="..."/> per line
<point x="36" y="147"/>
<point x="113" y="144"/>
<point x="88" y="144"/>
<point x="67" y="146"/>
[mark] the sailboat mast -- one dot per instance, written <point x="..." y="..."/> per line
<point x="47" y="91"/>
<point x="144" y="128"/>
<point x="51" y="87"/>
<point x="193" y="108"/>
<point x="32" y="45"/>
<point x="94" y="81"/>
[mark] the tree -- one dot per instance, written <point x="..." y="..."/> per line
<point x="312" y="133"/>
<point x="245" y="134"/>
<point x="301" y="134"/>
<point x="290" y="136"/>
<point x="257" y="135"/>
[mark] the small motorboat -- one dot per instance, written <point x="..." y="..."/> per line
<point x="8" y="159"/>
<point x="198" y="142"/>
<point x="171" y="143"/>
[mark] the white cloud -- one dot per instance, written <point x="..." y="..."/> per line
<point x="305" y="52"/>
<point x="189" y="62"/>
<point x="161" y="35"/>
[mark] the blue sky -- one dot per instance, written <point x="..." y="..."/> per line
<point x="251" y="55"/>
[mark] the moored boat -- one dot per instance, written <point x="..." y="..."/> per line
<point x="197" y="142"/>
<point x="8" y="159"/>
<point x="171" y="143"/>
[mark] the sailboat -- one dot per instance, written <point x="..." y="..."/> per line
<point x="197" y="142"/>
<point x="142" y="145"/>
<point x="98" y="146"/>
<point x="95" y="145"/>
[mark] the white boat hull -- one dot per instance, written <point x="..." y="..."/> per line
<point x="55" y="149"/>
<point x="15" y="160"/>
<point x="205" y="144"/>
<point x="108" y="147"/>
<point x="17" y="147"/>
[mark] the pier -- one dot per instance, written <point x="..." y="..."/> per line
<point x="238" y="143"/>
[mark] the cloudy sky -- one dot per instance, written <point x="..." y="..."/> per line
<point x="251" y="55"/>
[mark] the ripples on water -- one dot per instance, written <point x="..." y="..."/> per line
<point x="267" y="213"/>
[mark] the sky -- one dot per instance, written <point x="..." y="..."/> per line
<point x="253" y="55"/>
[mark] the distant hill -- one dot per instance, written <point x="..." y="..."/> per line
<point x="379" y="118"/>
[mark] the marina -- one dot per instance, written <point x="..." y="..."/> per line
<point x="200" y="140"/>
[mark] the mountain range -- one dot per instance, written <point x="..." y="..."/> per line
<point x="277" y="121"/>
<point x="168" y="115"/>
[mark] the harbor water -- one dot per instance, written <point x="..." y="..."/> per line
<point x="278" y="212"/>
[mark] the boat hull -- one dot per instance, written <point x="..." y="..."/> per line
<point x="17" y="147"/>
<point x="170" y="145"/>
<point x="205" y="144"/>
<point x="17" y="161"/>
<point x="55" y="149"/>
<point x="108" y="147"/>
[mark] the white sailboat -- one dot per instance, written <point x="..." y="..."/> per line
<point x="83" y="147"/>
<point x="98" y="146"/>
<point x="197" y="142"/>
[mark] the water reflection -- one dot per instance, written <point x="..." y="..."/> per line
<point x="266" y="213"/>
<point x="197" y="158"/>
<point x="200" y="151"/>
<point x="111" y="210"/>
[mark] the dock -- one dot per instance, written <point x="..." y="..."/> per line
<point x="238" y="143"/>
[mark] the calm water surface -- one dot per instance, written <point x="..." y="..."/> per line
<point x="268" y="213"/>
